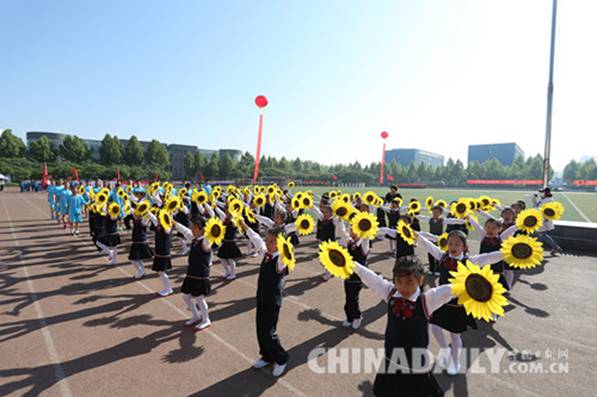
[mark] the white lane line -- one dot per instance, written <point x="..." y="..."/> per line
<point x="586" y="218"/>
<point x="50" y="347"/>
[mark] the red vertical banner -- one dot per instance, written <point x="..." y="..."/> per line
<point x="118" y="174"/>
<point x="44" y="177"/>
<point x="75" y="173"/>
<point x="261" y="102"/>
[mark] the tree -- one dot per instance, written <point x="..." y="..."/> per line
<point x="226" y="165"/>
<point x="157" y="154"/>
<point x="189" y="164"/>
<point x="213" y="167"/>
<point x="200" y="163"/>
<point x="11" y="145"/>
<point x="42" y="150"/>
<point x="111" y="150"/>
<point x="133" y="154"/>
<point x="74" y="149"/>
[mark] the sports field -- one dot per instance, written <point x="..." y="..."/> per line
<point x="580" y="206"/>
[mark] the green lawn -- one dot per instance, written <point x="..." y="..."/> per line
<point x="586" y="202"/>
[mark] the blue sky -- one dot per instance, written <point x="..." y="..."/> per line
<point x="436" y="74"/>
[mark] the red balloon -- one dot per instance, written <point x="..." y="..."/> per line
<point x="261" y="101"/>
<point x="384" y="135"/>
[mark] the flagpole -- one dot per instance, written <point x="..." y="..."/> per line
<point x="546" y="157"/>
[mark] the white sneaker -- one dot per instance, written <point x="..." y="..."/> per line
<point x="192" y="321"/>
<point x="113" y="259"/>
<point x="278" y="369"/>
<point x="261" y="363"/>
<point x="76" y="232"/>
<point x="346" y="324"/>
<point x="357" y="323"/>
<point x="202" y="325"/>
<point x="454" y="368"/>
<point x="326" y="276"/>
<point x="165" y="292"/>
<point x="230" y="277"/>
<point x="140" y="273"/>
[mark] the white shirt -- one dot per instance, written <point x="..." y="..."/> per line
<point x="261" y="248"/>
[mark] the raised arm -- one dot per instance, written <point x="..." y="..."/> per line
<point x="185" y="231"/>
<point x="318" y="213"/>
<point x="509" y="232"/>
<point x="265" y="221"/>
<point x="376" y="283"/>
<point x="437" y="297"/>
<point x="477" y="227"/>
<point x="428" y="246"/>
<point x="487" y="259"/>
<point x="153" y="219"/>
<point x="256" y="239"/>
<point x="382" y="231"/>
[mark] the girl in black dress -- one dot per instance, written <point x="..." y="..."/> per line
<point x="140" y="249"/>
<point x="229" y="250"/>
<point x="162" y="260"/>
<point x="110" y="238"/>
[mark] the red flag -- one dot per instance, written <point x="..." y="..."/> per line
<point x="118" y="174"/>
<point x="44" y="177"/>
<point x="75" y="173"/>
<point x="334" y="177"/>
<point x="156" y="178"/>
<point x="390" y="178"/>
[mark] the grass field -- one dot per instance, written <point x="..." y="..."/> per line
<point x="580" y="206"/>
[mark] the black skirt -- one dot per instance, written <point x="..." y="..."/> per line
<point x="161" y="263"/>
<point x="110" y="240"/>
<point x="294" y="240"/>
<point x="407" y="385"/>
<point x="229" y="250"/>
<point x="140" y="251"/>
<point x="452" y="317"/>
<point x="195" y="287"/>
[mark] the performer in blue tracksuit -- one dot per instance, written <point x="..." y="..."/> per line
<point x="76" y="202"/>
<point x="63" y="200"/>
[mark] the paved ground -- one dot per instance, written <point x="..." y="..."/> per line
<point x="72" y="325"/>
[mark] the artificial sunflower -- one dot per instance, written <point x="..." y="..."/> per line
<point x="173" y="204"/>
<point x="478" y="290"/>
<point x="296" y="203"/>
<point x="215" y="230"/>
<point x="334" y="194"/>
<point x="356" y="196"/>
<point x="414" y="207"/>
<point x="165" y="220"/>
<point x="259" y="200"/>
<point x="101" y="198"/>
<point x="441" y="203"/>
<point x="429" y="202"/>
<point x="120" y="193"/>
<point x="370" y="197"/>
<point x="553" y="210"/>
<point x="286" y="251"/>
<point x="114" y="209"/>
<point x="307" y="202"/>
<point x="129" y="188"/>
<point x="183" y="192"/>
<point x="529" y="220"/>
<point x="271" y="189"/>
<point x="199" y="197"/>
<point x="495" y="203"/>
<point x="235" y="207"/>
<point x="81" y="189"/>
<point x="460" y="209"/>
<point x="442" y="241"/>
<point x="485" y="202"/>
<point x="522" y="252"/>
<point x="249" y="216"/>
<point x="154" y="211"/>
<point x="398" y="201"/>
<point x="231" y="189"/>
<point x="336" y="259"/>
<point x="345" y="197"/>
<point x="406" y="232"/>
<point x="304" y="224"/>
<point x="142" y="208"/>
<point x="291" y="184"/>
<point x="364" y="225"/>
<point x="340" y="209"/>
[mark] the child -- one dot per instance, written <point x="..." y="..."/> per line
<point x="401" y="246"/>
<point x="270" y="285"/>
<point x="358" y="249"/>
<point x="65" y="193"/>
<point x="393" y="212"/>
<point x="110" y="238"/>
<point x="162" y="260"/>
<point x="328" y="227"/>
<point x="229" y="250"/>
<point x="451" y="316"/>
<point x="182" y="216"/>
<point x="140" y="249"/>
<point x="196" y="285"/>
<point x="76" y="202"/>
<point x="408" y="314"/>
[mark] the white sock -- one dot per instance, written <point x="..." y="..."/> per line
<point x="226" y="263"/>
<point x="202" y="303"/>
<point x="232" y="265"/>
<point x="188" y="299"/>
<point x="165" y="281"/>
<point x="438" y="333"/>
<point x="456" y="346"/>
<point x="509" y="275"/>
<point x="105" y="249"/>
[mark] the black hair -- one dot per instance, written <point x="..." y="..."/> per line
<point x="187" y="185"/>
<point x="493" y="221"/>
<point x="274" y="231"/>
<point x="460" y="234"/>
<point x="406" y="266"/>
<point x="522" y="204"/>
<point x="282" y="215"/>
<point x="393" y="187"/>
<point x="199" y="221"/>
<point x="507" y="209"/>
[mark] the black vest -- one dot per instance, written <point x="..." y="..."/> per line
<point x="182" y="218"/>
<point x="270" y="283"/>
<point x="198" y="260"/>
<point x="436" y="226"/>
<point x="356" y="252"/>
<point x="393" y="218"/>
<point x="447" y="265"/>
<point x="139" y="231"/>
<point x="326" y="230"/>
<point x="111" y="225"/>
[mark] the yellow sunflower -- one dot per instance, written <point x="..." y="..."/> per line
<point x="199" y="197"/>
<point x="304" y="224"/>
<point x="334" y="194"/>
<point x="291" y="184"/>
<point x="286" y="251"/>
<point x="81" y="189"/>
<point x="529" y="220"/>
<point x="271" y="189"/>
<point x="129" y="188"/>
<point x="183" y="192"/>
<point x="345" y="197"/>
<point x="364" y="225"/>
<point x="340" y="209"/>
<point x="259" y="200"/>
<point x="441" y="203"/>
<point x="442" y="241"/>
<point x="120" y="193"/>
<point x="307" y="202"/>
<point x="485" y="203"/>
<point x="398" y="201"/>
<point x="114" y="209"/>
<point x="249" y="216"/>
<point x="173" y="204"/>
<point x="495" y="203"/>
<point x="336" y="259"/>
<point x="101" y="198"/>
<point x="356" y="196"/>
<point x="370" y="197"/>
<point x="522" y="252"/>
<point x="296" y="204"/>
<point x="142" y="208"/>
<point x="235" y="207"/>
<point x="429" y="202"/>
<point x="553" y="210"/>
<point x="406" y="232"/>
<point x="460" y="209"/>
<point x="231" y="189"/>
<point x="214" y="231"/>
<point x="478" y="290"/>
<point x="414" y="207"/>
<point x="165" y="220"/>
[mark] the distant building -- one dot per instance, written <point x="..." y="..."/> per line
<point x="175" y="151"/>
<point x="505" y="153"/>
<point x="407" y="156"/>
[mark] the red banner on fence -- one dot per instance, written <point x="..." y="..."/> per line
<point x="504" y="182"/>
<point x="421" y="185"/>
<point x="578" y="182"/>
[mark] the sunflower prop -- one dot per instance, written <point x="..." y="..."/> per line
<point x="304" y="224"/>
<point x="429" y="202"/>
<point x="485" y="203"/>
<point x="414" y="207"/>
<point x="199" y="197"/>
<point x="81" y="189"/>
<point x="522" y="252"/>
<point x="259" y="200"/>
<point x="129" y="188"/>
<point x="345" y="197"/>
<point x="214" y="231"/>
<point x="478" y="290"/>
<point x="271" y="189"/>
<point x="291" y="184"/>
<point x="249" y="216"/>
<point x="529" y="220"/>
<point x="336" y="259"/>
<point x="460" y="209"/>
<point x="340" y="209"/>
<point x="235" y="207"/>
<point x="101" y="198"/>
<point x="142" y="208"/>
<point x="553" y="210"/>
<point x="165" y="220"/>
<point x="173" y="204"/>
<point x="307" y="202"/>
<point x="286" y="251"/>
<point x="334" y="194"/>
<point x="120" y="193"/>
<point x="215" y="194"/>
<point x="406" y="232"/>
<point x="398" y="201"/>
<point x="183" y="192"/>
<point x="114" y="209"/>
<point x="441" y="203"/>
<point x="442" y="241"/>
<point x="356" y="196"/>
<point x="364" y="225"/>
<point x="370" y="197"/>
<point x="296" y="204"/>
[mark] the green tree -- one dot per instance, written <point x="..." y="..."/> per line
<point x="200" y="163"/>
<point x="74" y="149"/>
<point x="11" y="145"/>
<point x="42" y="150"/>
<point x="226" y="165"/>
<point x="111" y="150"/>
<point x="213" y="167"/>
<point x="157" y="155"/>
<point x="189" y="164"/>
<point x="133" y="154"/>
